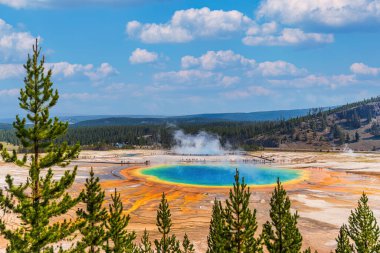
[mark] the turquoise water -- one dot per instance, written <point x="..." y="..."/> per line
<point x="220" y="175"/>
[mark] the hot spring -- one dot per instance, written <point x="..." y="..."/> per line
<point x="219" y="175"/>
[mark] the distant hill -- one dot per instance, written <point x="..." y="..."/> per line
<point x="353" y="126"/>
<point x="253" y="116"/>
<point x="5" y="126"/>
<point x="196" y="118"/>
<point x="76" y="119"/>
<point x="119" y="120"/>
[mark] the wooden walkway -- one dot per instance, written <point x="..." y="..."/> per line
<point x="109" y="162"/>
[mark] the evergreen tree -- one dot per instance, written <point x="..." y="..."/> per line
<point x="146" y="245"/>
<point x="308" y="250"/>
<point x="343" y="241"/>
<point x="116" y="226"/>
<point x="241" y="221"/>
<point x="41" y="198"/>
<point x="187" y="246"/>
<point x="93" y="217"/>
<point x="357" y="136"/>
<point x="281" y="234"/>
<point x="218" y="232"/>
<point x="168" y="243"/>
<point x="363" y="228"/>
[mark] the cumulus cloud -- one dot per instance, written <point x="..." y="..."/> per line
<point x="279" y="68"/>
<point x="228" y="60"/>
<point x="142" y="56"/>
<point x="186" y="25"/>
<point x="64" y="69"/>
<point x="334" y="13"/>
<point x="287" y="36"/>
<point x="363" y="69"/>
<point x="67" y="69"/>
<point x="229" y="80"/>
<point x="14" y="45"/>
<point x="103" y="71"/>
<point x="15" y="3"/>
<point x="313" y="80"/>
<point x="217" y="60"/>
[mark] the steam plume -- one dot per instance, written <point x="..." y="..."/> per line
<point x="199" y="144"/>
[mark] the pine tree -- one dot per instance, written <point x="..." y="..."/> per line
<point x="168" y="243"/>
<point x="241" y="221"/>
<point x="308" y="250"/>
<point x="187" y="246"/>
<point x="363" y="228"/>
<point x="281" y="234"/>
<point x="93" y="217"/>
<point x="218" y="232"/>
<point x="357" y="137"/>
<point x="41" y="198"/>
<point x="146" y="245"/>
<point x="343" y="241"/>
<point x="116" y="226"/>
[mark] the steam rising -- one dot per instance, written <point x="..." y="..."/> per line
<point x="348" y="151"/>
<point x="199" y="144"/>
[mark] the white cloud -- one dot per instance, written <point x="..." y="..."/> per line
<point x="9" y="92"/>
<point x="362" y="69"/>
<point x="8" y="71"/>
<point x="229" y="80"/>
<point x="249" y="92"/>
<point x="67" y="69"/>
<point x="335" y="13"/>
<point x="191" y="24"/>
<point x="14" y="45"/>
<point x="186" y="25"/>
<point x="183" y="76"/>
<point x="105" y="70"/>
<point x="288" y="36"/>
<point x="15" y="3"/>
<point x="313" y="80"/>
<point x="228" y="60"/>
<point x="217" y="60"/>
<point x="142" y="56"/>
<point x="279" y="68"/>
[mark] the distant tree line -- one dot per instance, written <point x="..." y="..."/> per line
<point x="246" y="135"/>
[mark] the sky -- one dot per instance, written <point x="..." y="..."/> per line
<point x="178" y="57"/>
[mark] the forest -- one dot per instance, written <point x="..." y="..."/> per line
<point x="244" y="135"/>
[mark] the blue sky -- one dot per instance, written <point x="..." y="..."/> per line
<point x="184" y="57"/>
